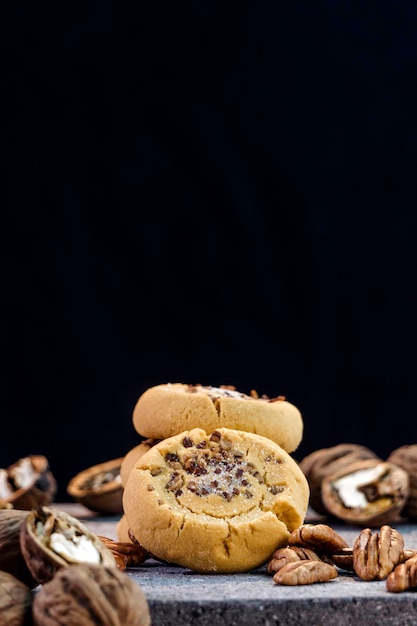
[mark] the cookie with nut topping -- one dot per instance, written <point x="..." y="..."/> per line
<point x="169" y="409"/>
<point x="219" y="501"/>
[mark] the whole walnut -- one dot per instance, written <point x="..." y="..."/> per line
<point x="90" y="595"/>
<point x="11" y="555"/>
<point x="16" y="601"/>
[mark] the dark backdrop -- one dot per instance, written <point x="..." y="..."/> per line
<point x="222" y="193"/>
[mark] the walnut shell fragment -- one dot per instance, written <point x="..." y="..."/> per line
<point x="91" y="595"/>
<point x="366" y="493"/>
<point x="11" y="555"/>
<point x="16" y="601"/>
<point x="28" y="483"/>
<point x="99" y="488"/>
<point x="325" y="461"/>
<point x="52" y="539"/>
<point x="406" y="457"/>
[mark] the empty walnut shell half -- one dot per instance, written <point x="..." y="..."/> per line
<point x="99" y="488"/>
<point x="28" y="483"/>
<point x="406" y="457"/>
<point x="51" y="539"/>
<point x="325" y="461"/>
<point x="366" y="493"/>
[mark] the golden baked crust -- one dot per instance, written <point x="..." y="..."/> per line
<point x="134" y="455"/>
<point x="171" y="408"/>
<point x="122" y="529"/>
<point x="215" y="502"/>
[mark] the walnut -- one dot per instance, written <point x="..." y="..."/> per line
<point x="376" y="554"/>
<point x="28" y="483"/>
<point x="90" y="595"/>
<point x="99" y="488"/>
<point x="305" y="572"/>
<point x="403" y="576"/>
<point x="126" y="553"/>
<point x="292" y="554"/>
<point x="406" y="457"/>
<point x="11" y="555"/>
<point x="16" y="601"/>
<point x="366" y="493"/>
<point x="52" y="539"/>
<point x="320" y="463"/>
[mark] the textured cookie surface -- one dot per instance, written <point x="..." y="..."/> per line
<point x="169" y="409"/>
<point x="215" y="502"/>
<point x="134" y="455"/>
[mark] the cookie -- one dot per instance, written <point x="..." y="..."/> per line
<point x="221" y="501"/>
<point x="134" y="455"/>
<point x="169" y="409"/>
<point x="122" y="529"/>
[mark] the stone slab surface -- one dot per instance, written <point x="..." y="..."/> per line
<point x="180" y="597"/>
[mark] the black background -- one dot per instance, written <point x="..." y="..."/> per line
<point x="202" y="192"/>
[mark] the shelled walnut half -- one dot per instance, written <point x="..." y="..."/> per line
<point x="366" y="493"/>
<point x="51" y="539"/>
<point x="99" y="488"/>
<point x="28" y="483"/>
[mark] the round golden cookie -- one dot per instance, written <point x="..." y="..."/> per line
<point x="122" y="529"/>
<point x="215" y="502"/>
<point x="171" y="408"/>
<point x="134" y="455"/>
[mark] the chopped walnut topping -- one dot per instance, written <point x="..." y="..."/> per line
<point x="214" y="467"/>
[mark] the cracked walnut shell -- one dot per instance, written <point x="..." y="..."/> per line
<point x="99" y="488"/>
<point x="406" y="457"/>
<point x="215" y="502"/>
<point x="324" y="462"/>
<point x="366" y="493"/>
<point x="28" y="483"/>
<point x="51" y="540"/>
<point x="91" y="595"/>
